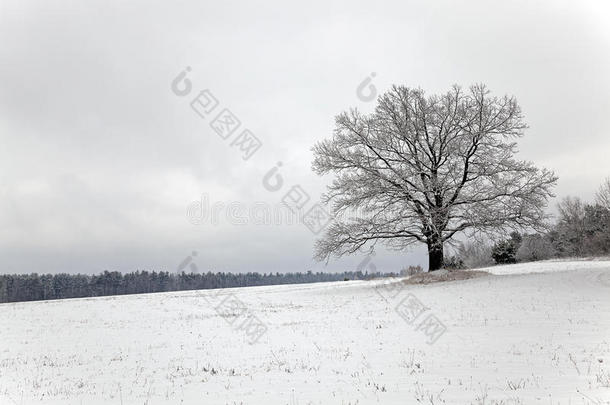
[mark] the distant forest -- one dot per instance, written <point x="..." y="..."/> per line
<point x="35" y="287"/>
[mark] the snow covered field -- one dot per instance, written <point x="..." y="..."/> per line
<point x="509" y="339"/>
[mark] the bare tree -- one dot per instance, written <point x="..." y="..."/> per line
<point x="423" y="169"/>
<point x="603" y="194"/>
<point x="475" y="254"/>
<point x="535" y="247"/>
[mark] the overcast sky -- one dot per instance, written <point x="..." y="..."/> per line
<point x="99" y="159"/>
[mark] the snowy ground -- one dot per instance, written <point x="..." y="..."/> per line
<point x="541" y="338"/>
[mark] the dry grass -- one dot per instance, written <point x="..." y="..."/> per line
<point x="443" y="275"/>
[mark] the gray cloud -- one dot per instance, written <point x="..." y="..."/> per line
<point x="99" y="158"/>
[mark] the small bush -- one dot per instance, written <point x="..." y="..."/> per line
<point x="505" y="252"/>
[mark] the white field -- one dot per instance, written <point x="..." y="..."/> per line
<point x="511" y="338"/>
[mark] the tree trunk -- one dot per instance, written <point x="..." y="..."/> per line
<point x="435" y="254"/>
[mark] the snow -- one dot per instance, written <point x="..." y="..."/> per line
<point x="547" y="266"/>
<point x="530" y="333"/>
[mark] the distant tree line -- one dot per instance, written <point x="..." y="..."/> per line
<point x="582" y="229"/>
<point x="34" y="287"/>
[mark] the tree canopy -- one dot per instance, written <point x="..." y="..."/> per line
<point x="421" y="169"/>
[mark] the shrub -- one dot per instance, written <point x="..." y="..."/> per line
<point x="505" y="251"/>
